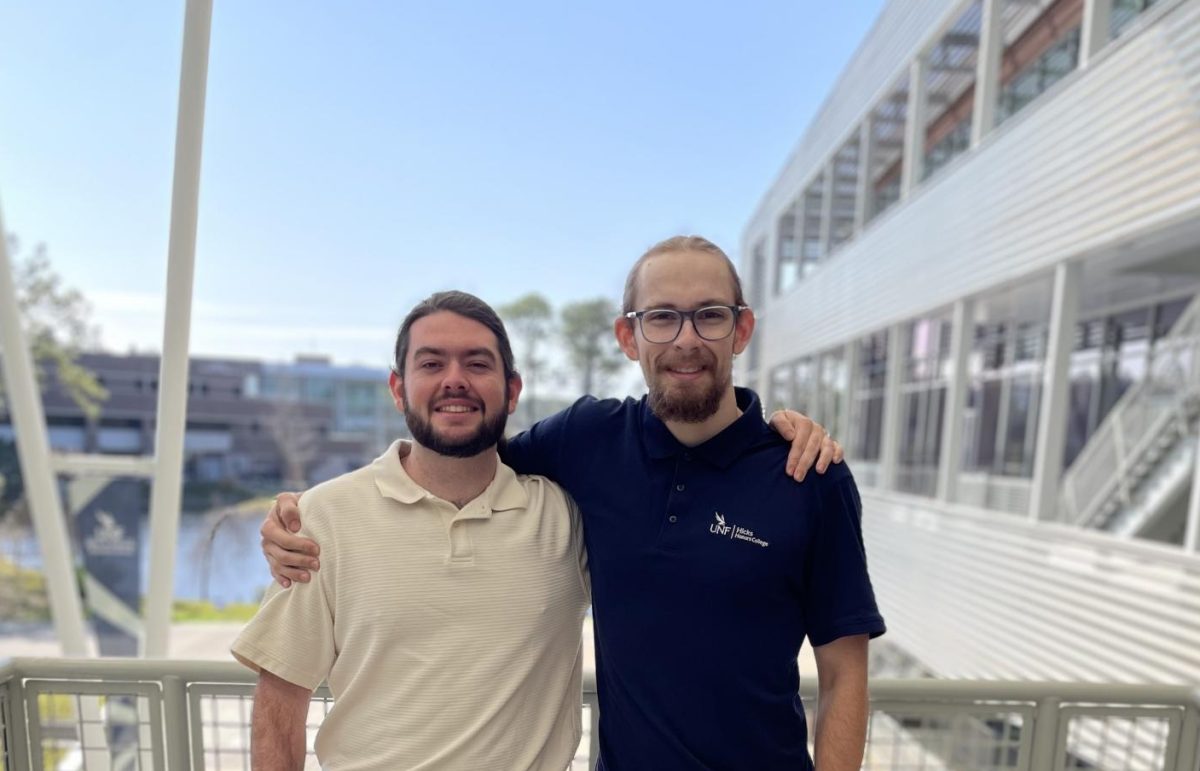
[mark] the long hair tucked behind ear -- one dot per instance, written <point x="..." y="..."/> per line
<point x="465" y="305"/>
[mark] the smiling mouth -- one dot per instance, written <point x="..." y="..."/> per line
<point x="456" y="409"/>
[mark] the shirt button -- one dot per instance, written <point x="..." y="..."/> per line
<point x="680" y="488"/>
<point x="672" y="518"/>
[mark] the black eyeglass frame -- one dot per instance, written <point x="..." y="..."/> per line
<point x="686" y="316"/>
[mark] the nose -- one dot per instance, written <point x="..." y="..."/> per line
<point x="455" y="377"/>
<point x="688" y="337"/>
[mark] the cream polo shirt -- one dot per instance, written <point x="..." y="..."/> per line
<point x="450" y="638"/>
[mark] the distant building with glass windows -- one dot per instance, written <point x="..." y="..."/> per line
<point x="248" y="421"/>
<point x="980" y="268"/>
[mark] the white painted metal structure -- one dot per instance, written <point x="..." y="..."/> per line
<point x="195" y="715"/>
<point x="167" y="488"/>
<point x="39" y="466"/>
<point x="33" y="452"/>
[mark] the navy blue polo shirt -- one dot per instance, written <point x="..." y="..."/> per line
<point x="709" y="567"/>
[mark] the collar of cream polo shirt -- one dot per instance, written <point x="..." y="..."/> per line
<point x="505" y="492"/>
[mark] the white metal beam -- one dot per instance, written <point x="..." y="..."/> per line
<point x="827" y="189"/>
<point x="1052" y="410"/>
<point x="987" y="71"/>
<point x="866" y="186"/>
<point x="33" y="454"/>
<point x="1097" y="21"/>
<point x="172" y="395"/>
<point x="889" y="451"/>
<point x="956" y="400"/>
<point x="1191" y="537"/>
<point x="913" y="167"/>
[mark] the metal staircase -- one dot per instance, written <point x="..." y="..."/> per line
<point x="1135" y="469"/>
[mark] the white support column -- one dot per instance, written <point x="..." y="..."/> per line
<point x="889" y="451"/>
<point x="33" y="454"/>
<point x="1097" y="22"/>
<point x="956" y="399"/>
<point x="1052" y="410"/>
<point x="166" y="490"/>
<point x="865" y="194"/>
<point x="1191" y="537"/>
<point x="987" y="71"/>
<point x="913" y="167"/>
<point x="827" y="207"/>
<point x="845" y="419"/>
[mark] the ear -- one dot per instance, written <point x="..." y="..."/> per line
<point x="626" y="332"/>
<point x="396" y="387"/>
<point x="743" y="330"/>
<point x="514" y="390"/>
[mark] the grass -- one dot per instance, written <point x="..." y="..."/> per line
<point x="204" y="610"/>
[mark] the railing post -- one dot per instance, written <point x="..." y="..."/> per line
<point x="18" y="718"/>
<point x="1045" y="736"/>
<point x="175" y="724"/>
<point x="1189" y="738"/>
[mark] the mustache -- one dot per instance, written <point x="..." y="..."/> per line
<point x="698" y="360"/>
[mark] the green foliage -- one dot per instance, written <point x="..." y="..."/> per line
<point x="587" y="333"/>
<point x="530" y="320"/>
<point x="22" y="594"/>
<point x="55" y="320"/>
<point x="204" y="610"/>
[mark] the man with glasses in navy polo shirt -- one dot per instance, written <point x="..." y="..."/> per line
<point x="709" y="565"/>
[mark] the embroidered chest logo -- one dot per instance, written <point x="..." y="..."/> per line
<point x="733" y="532"/>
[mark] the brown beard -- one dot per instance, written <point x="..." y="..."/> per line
<point x="488" y="433"/>
<point x="687" y="407"/>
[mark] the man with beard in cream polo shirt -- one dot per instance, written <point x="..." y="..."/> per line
<point x="709" y="566"/>
<point x="447" y="616"/>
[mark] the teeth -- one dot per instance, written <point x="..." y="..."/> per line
<point x="455" y="408"/>
<point x="687" y="371"/>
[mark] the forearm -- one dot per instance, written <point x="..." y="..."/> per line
<point x="277" y="725"/>
<point x="841" y="730"/>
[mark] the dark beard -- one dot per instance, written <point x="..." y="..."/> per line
<point x="686" y="408"/>
<point x="485" y="438"/>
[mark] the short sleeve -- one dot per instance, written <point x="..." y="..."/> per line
<point x="838" y="598"/>
<point x="292" y="635"/>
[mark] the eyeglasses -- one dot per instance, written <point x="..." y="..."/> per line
<point x="663" y="325"/>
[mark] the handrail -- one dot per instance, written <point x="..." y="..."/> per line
<point x="1054" y="723"/>
<point x="1135" y="422"/>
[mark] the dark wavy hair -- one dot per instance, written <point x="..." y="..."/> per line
<point x="465" y="305"/>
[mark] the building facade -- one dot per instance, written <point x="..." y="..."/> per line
<point x="255" y="423"/>
<point x="980" y="266"/>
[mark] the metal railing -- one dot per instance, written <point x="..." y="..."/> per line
<point x="64" y="713"/>
<point x="1151" y="415"/>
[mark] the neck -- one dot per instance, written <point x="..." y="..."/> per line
<point x="692" y="434"/>
<point x="457" y="480"/>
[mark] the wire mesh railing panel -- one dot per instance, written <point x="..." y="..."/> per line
<point x="1119" y="739"/>
<point x="985" y="737"/>
<point x="221" y="725"/>
<point x="92" y="725"/>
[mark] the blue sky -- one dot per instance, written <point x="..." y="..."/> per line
<point x="359" y="156"/>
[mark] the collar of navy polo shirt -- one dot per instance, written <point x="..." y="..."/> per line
<point x="721" y="450"/>
<point x="503" y="493"/>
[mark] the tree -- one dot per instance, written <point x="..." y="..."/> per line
<point x="57" y="328"/>
<point x="531" y="319"/>
<point x="55" y="320"/>
<point x="587" y="333"/>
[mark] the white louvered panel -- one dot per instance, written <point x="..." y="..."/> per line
<point x="882" y="57"/>
<point x="975" y="594"/>
<point x="1112" y="153"/>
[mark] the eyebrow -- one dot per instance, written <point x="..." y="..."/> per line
<point x="672" y="306"/>
<point x="426" y="350"/>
